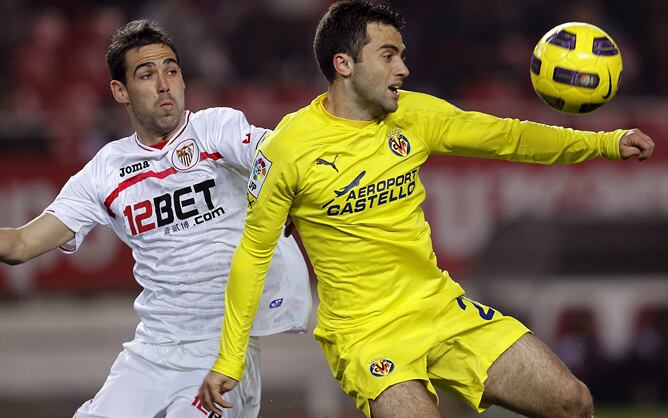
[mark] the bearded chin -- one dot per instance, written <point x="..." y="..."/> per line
<point x="166" y="124"/>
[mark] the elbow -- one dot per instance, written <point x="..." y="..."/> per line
<point x="13" y="258"/>
<point x="15" y="255"/>
<point x="13" y="262"/>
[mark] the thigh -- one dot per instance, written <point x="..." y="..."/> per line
<point x="405" y="399"/>
<point x="134" y="389"/>
<point x="384" y="358"/>
<point x="472" y="336"/>
<point x="530" y="379"/>
<point x="245" y="396"/>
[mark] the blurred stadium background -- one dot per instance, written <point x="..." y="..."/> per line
<point x="579" y="253"/>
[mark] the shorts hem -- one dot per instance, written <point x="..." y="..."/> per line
<point x="366" y="407"/>
<point x="500" y="348"/>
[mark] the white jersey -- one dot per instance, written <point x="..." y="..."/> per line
<point x="181" y="210"/>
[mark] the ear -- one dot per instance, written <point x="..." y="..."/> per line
<point x="119" y="91"/>
<point x="343" y="64"/>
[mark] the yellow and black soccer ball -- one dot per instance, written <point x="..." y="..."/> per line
<point x="576" y="67"/>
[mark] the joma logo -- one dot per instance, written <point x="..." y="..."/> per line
<point x="133" y="167"/>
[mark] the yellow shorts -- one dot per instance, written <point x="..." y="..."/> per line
<point x="450" y="345"/>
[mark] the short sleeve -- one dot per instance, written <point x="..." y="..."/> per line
<point x="78" y="206"/>
<point x="229" y="133"/>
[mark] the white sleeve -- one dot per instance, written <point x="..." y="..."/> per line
<point x="233" y="137"/>
<point x="78" y="206"/>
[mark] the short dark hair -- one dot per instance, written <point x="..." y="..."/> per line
<point x="343" y="29"/>
<point x="135" y="34"/>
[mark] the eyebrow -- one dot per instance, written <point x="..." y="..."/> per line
<point x="392" y="47"/>
<point x="151" y="64"/>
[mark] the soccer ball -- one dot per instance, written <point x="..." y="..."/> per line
<point x="576" y="67"/>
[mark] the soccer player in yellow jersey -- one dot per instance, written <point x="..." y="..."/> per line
<point x="391" y="323"/>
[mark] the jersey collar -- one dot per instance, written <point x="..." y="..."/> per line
<point x="319" y="103"/>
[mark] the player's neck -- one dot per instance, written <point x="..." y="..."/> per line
<point x="151" y="139"/>
<point x="344" y="104"/>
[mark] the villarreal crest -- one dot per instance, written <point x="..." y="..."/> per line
<point x="381" y="367"/>
<point x="398" y="143"/>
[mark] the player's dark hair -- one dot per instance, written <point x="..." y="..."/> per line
<point x="343" y="30"/>
<point x="135" y="34"/>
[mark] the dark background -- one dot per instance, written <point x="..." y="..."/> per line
<point x="579" y="253"/>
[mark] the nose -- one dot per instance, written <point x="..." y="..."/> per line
<point x="402" y="70"/>
<point x="163" y="85"/>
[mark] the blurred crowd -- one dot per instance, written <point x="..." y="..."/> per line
<point x="638" y="377"/>
<point x="256" y="55"/>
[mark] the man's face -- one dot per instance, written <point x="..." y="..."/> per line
<point x="155" y="88"/>
<point x="380" y="70"/>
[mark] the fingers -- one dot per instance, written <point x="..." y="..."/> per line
<point x="212" y="390"/>
<point x="636" y="143"/>
<point x="206" y="396"/>
<point x="646" y="146"/>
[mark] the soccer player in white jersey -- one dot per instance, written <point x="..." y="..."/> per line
<point x="174" y="192"/>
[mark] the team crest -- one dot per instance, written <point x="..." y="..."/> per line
<point x="398" y="143"/>
<point x="185" y="155"/>
<point x="381" y="367"/>
<point x="258" y="174"/>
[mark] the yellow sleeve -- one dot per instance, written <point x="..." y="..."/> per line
<point x="449" y="130"/>
<point x="272" y="183"/>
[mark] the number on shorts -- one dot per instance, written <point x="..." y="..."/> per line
<point x="484" y="315"/>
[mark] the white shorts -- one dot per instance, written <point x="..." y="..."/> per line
<point x="162" y="381"/>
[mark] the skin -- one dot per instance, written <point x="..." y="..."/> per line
<point x="636" y="144"/>
<point x="529" y="378"/>
<point x="405" y="399"/>
<point x="362" y="90"/>
<point x="366" y="90"/>
<point x="154" y="96"/>
<point x="154" y="93"/>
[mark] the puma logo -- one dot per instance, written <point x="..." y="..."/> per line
<point x="356" y="182"/>
<point x="320" y="161"/>
<point x="353" y="184"/>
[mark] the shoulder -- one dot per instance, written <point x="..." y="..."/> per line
<point x="105" y="164"/>
<point x="219" y="115"/>
<point x="304" y="123"/>
<point x="115" y="149"/>
<point x="415" y="102"/>
<point x="290" y="134"/>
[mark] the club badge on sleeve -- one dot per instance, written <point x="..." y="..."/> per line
<point x="258" y="174"/>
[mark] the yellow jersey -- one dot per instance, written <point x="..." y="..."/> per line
<point x="353" y="190"/>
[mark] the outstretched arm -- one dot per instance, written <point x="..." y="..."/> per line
<point x="271" y="188"/>
<point x="42" y="234"/>
<point x="636" y="143"/>
<point x="448" y="130"/>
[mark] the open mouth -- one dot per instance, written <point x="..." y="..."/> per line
<point x="394" y="90"/>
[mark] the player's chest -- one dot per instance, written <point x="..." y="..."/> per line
<point x="375" y="171"/>
<point x="153" y="196"/>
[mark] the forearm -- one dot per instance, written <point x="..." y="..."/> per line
<point x="42" y="234"/>
<point x="556" y="145"/>
<point x="242" y="297"/>
<point x="477" y="134"/>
